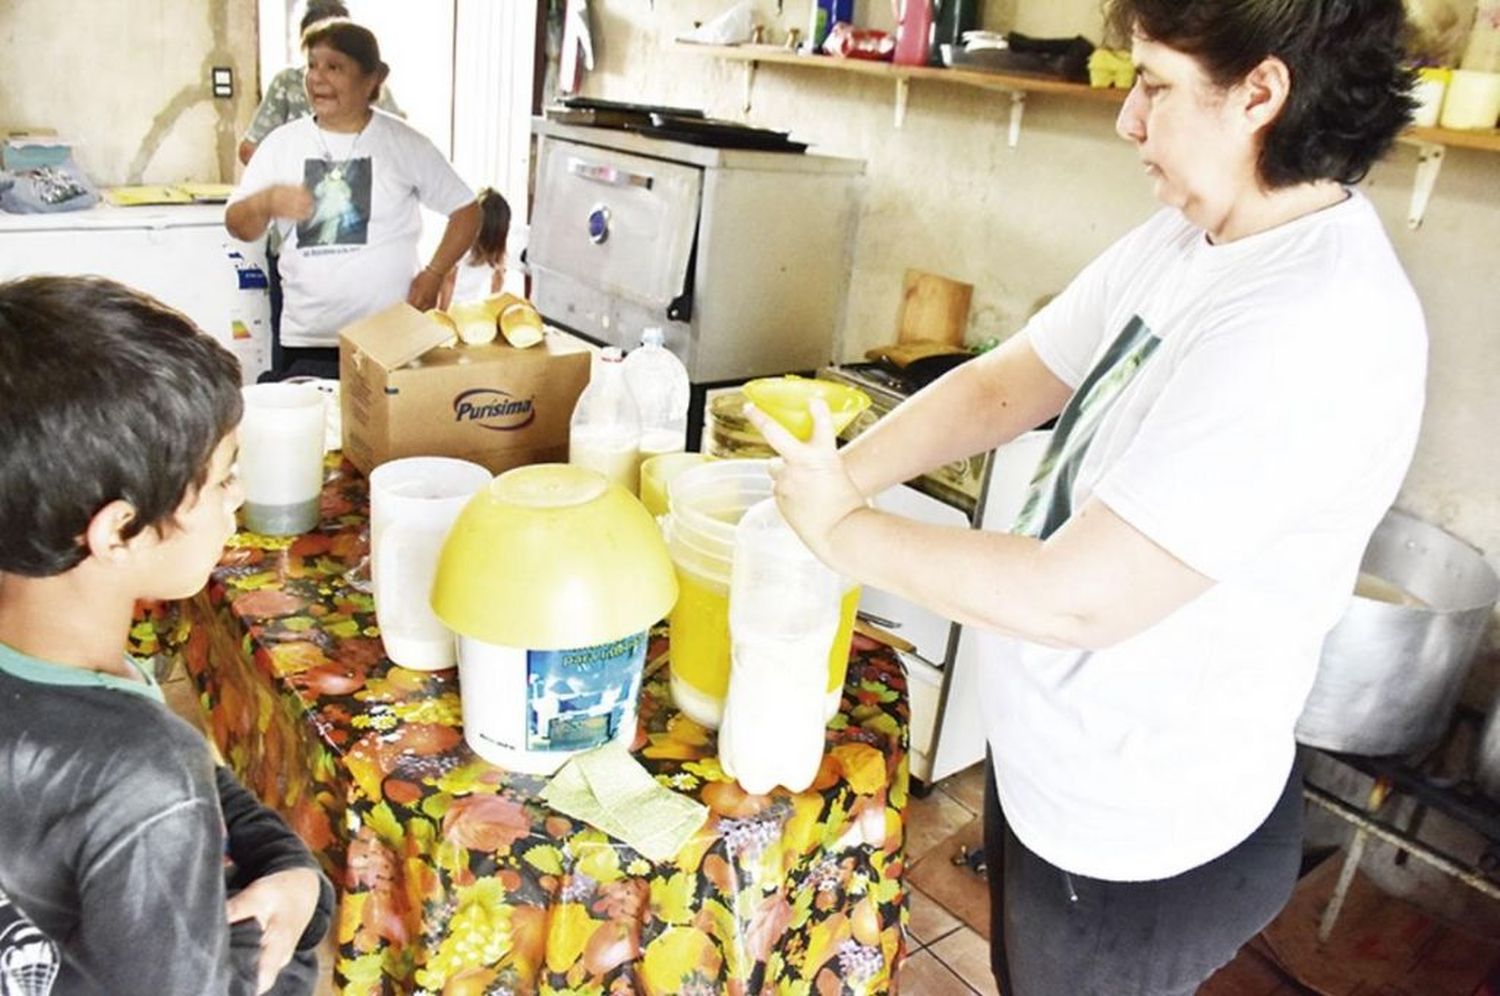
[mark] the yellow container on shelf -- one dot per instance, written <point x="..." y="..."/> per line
<point x="706" y="503"/>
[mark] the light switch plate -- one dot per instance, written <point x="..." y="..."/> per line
<point x="223" y="81"/>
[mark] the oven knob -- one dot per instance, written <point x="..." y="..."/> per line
<point x="599" y="224"/>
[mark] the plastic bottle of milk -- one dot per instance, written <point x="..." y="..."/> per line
<point x="783" y="613"/>
<point x="605" y="431"/>
<point x="659" y="383"/>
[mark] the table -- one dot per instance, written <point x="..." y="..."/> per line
<point x="455" y="878"/>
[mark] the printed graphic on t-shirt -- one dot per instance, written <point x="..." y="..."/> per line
<point x="28" y="959"/>
<point x="341" y="204"/>
<point x="1049" y="502"/>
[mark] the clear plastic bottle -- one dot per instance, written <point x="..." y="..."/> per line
<point x="783" y="616"/>
<point x="605" y="431"/>
<point x="659" y="383"/>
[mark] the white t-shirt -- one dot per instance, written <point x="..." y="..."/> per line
<point x="357" y="253"/>
<point x="1251" y="408"/>
<point x="472" y="281"/>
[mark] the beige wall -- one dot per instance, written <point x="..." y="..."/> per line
<point x="944" y="193"/>
<point x="130" y="82"/>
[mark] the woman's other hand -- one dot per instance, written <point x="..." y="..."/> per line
<point x="425" y="286"/>
<point x="812" y="488"/>
<point x="288" y="200"/>
<point x="247" y="220"/>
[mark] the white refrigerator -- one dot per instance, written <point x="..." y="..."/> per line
<point x="180" y="254"/>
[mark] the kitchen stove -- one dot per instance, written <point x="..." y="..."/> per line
<point x="961" y="483"/>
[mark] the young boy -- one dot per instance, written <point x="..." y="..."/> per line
<point x="117" y="449"/>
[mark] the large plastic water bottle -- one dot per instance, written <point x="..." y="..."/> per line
<point x="783" y="615"/>
<point x="659" y="383"/>
<point x="605" y="431"/>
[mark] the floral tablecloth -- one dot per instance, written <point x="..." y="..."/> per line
<point x="455" y="879"/>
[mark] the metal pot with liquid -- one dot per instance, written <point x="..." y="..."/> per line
<point x="1392" y="669"/>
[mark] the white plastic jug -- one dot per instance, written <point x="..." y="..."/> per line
<point x="604" y="433"/>
<point x="659" y="383"/>
<point x="783" y="615"/>
<point x="413" y="503"/>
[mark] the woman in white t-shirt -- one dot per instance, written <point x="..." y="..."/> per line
<point x="344" y="188"/>
<point x="1238" y="386"/>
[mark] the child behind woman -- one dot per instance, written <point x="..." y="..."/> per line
<point x="482" y="272"/>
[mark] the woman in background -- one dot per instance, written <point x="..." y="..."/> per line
<point x="343" y="189"/>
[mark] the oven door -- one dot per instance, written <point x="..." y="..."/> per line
<point x="607" y="227"/>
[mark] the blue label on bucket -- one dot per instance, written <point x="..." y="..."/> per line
<point x="579" y="697"/>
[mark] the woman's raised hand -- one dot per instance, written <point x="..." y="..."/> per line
<point x="813" y="491"/>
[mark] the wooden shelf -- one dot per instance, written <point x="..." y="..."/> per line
<point x="1432" y="143"/>
<point x="1485" y="141"/>
<point x="1014" y="84"/>
<point x="890" y="70"/>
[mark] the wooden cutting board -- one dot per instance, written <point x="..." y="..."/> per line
<point x="933" y="309"/>
<point x="902" y="354"/>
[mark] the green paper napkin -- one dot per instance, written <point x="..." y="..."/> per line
<point x="607" y="788"/>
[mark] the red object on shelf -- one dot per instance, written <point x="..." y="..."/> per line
<point x="849" y="42"/>
<point x="913" y="31"/>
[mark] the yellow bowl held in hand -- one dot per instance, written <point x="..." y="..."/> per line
<point x="786" y="399"/>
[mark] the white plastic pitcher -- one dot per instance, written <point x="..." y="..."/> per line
<point x="413" y="503"/>
<point x="281" y="457"/>
<point x="783" y="614"/>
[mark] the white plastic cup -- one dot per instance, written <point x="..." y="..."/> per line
<point x="1473" y="100"/>
<point x="281" y="457"/>
<point x="413" y="503"/>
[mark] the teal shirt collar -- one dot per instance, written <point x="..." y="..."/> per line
<point x="41" y="672"/>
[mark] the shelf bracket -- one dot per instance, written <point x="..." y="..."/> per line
<point x="1429" y="164"/>
<point x="903" y="90"/>
<point x="1017" y="108"/>
<point x="750" y="68"/>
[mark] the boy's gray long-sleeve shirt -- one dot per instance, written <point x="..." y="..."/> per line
<point x="113" y="836"/>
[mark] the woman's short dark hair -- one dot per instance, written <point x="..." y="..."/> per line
<point x="321" y="10"/>
<point x="1350" y="88"/>
<point x="105" y="394"/>
<point x="354" y="40"/>
<point x="494" y="228"/>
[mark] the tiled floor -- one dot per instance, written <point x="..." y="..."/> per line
<point x="947" y="956"/>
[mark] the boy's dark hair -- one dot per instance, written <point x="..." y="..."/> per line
<point x="321" y="10"/>
<point x="494" y="228"/>
<point x="105" y="394"/>
<point x="354" y="40"/>
<point x="1350" y="92"/>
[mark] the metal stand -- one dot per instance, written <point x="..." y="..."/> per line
<point x="1454" y="799"/>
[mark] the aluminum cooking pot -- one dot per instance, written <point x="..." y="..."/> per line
<point x="1390" y="675"/>
<point x="1487" y="755"/>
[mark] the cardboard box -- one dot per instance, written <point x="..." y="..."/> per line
<point x="405" y="394"/>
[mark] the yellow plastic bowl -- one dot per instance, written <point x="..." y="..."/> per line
<point x="552" y="556"/>
<point x="786" y="399"/>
